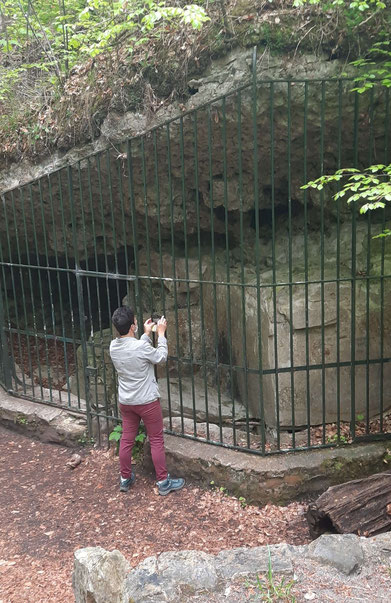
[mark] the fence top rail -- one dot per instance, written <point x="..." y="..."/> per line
<point x="178" y="118"/>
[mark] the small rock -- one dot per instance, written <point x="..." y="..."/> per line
<point x="342" y="551"/>
<point x="74" y="461"/>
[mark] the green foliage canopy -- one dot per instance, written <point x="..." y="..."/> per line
<point x="71" y="31"/>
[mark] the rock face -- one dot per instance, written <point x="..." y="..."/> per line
<point x="130" y="184"/>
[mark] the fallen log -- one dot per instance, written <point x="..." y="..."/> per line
<point x="361" y="506"/>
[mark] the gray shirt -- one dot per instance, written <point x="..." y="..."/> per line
<point x="133" y="360"/>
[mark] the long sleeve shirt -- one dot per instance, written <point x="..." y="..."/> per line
<point x="133" y="360"/>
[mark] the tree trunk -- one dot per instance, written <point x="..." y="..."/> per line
<point x="362" y="506"/>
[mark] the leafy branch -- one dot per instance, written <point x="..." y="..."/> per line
<point x="372" y="186"/>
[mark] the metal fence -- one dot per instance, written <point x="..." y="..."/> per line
<point x="277" y="298"/>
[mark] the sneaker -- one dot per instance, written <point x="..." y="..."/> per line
<point x="169" y="485"/>
<point x="125" y="484"/>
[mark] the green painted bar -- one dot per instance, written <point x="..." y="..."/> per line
<point x="35" y="328"/>
<point x="322" y="253"/>
<point x="274" y="272"/>
<point x="257" y="249"/>
<point x="173" y="265"/>
<point x="338" y="267"/>
<point x="307" y="319"/>
<point x="213" y="256"/>
<point x="185" y="235"/>
<point x="200" y="276"/>
<point x="162" y="288"/>
<point x="39" y="272"/>
<point x="57" y="274"/>
<point x="353" y="286"/>
<point x="368" y="267"/>
<point x="227" y="256"/>
<point x="69" y="280"/>
<point x="102" y="223"/>
<point x="80" y="300"/>
<point x="147" y="238"/>
<point x="387" y="160"/>
<point x="15" y="296"/>
<point x="242" y="273"/>
<point x="48" y="275"/>
<point x="290" y="265"/>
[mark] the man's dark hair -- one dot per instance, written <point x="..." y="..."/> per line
<point x="123" y="319"/>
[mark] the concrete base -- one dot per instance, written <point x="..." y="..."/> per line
<point x="46" y="423"/>
<point x="278" y="478"/>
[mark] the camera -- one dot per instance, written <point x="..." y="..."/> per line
<point x="155" y="319"/>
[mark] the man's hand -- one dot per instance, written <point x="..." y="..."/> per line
<point x="148" y="326"/>
<point x="161" y="326"/>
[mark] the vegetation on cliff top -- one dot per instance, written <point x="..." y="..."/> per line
<point x="65" y="65"/>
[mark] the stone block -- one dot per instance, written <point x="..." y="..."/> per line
<point x="98" y="575"/>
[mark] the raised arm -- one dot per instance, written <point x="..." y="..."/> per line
<point x="155" y="355"/>
<point x="159" y="354"/>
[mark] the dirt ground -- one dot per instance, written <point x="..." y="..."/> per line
<point x="48" y="510"/>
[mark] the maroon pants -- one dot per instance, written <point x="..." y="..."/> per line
<point x="152" y="417"/>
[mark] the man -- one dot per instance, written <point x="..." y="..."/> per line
<point x="138" y="394"/>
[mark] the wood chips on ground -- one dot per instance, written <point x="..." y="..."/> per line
<point x="48" y="510"/>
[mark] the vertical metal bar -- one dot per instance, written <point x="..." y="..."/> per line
<point x="111" y="368"/>
<point x="4" y="352"/>
<point x="123" y="218"/>
<point x="162" y="288"/>
<point x="113" y="229"/>
<point x="96" y="410"/>
<point x="184" y="212"/>
<point x="257" y="247"/>
<point x="6" y="308"/>
<point x="89" y="376"/>
<point x="80" y="299"/>
<point x="338" y="268"/>
<point x="35" y="328"/>
<point x="146" y="220"/>
<point x="274" y="273"/>
<point x="171" y="198"/>
<point x="353" y="283"/>
<point x="242" y="274"/>
<point x="213" y="259"/>
<point x="290" y="271"/>
<point x="69" y="287"/>
<point x="322" y="124"/>
<point x="33" y="223"/>
<point x="48" y="276"/>
<point x="387" y="159"/>
<point x="23" y="297"/>
<point x="306" y="277"/>
<point x="368" y="269"/>
<point x="59" y="286"/>
<point x="227" y="257"/>
<point x="103" y="227"/>
<point x="138" y="291"/>
<point x="200" y="274"/>
<point x="15" y="296"/>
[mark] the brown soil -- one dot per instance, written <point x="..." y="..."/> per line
<point x="48" y="510"/>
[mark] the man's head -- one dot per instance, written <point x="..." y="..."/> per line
<point x="123" y="319"/>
